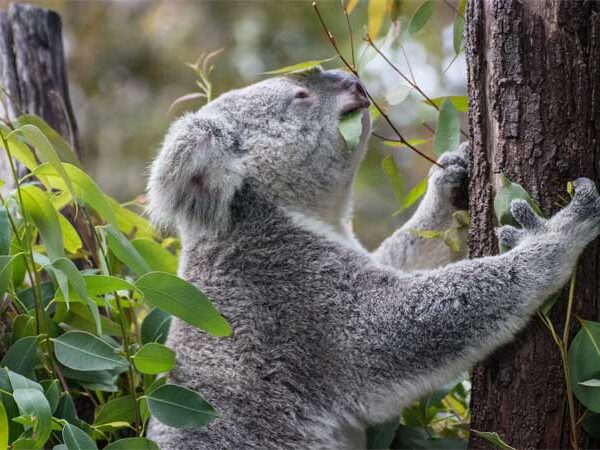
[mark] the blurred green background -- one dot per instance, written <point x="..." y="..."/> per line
<point x="126" y="62"/>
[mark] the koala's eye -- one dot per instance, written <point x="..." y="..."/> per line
<point x="301" y="94"/>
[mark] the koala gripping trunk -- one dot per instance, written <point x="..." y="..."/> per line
<point x="534" y="88"/>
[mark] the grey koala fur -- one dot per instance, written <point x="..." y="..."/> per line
<point x="329" y="338"/>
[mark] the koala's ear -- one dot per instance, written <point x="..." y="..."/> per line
<point x="195" y="175"/>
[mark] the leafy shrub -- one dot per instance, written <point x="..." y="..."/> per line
<point x="89" y="292"/>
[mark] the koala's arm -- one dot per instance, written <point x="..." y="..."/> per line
<point x="446" y="194"/>
<point x="435" y="324"/>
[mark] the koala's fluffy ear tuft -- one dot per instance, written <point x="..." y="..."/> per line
<point x="195" y="175"/>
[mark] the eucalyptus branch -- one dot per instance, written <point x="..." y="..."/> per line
<point x="353" y="70"/>
<point x="349" y="28"/>
<point x="412" y="84"/>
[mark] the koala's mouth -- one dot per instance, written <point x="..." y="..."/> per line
<point x="358" y="100"/>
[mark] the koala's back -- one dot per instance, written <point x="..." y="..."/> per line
<point x="288" y="300"/>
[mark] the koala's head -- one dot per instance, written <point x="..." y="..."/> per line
<point x="280" y="135"/>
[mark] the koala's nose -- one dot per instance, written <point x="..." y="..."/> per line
<point x="348" y="82"/>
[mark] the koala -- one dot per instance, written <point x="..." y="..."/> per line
<point x="329" y="338"/>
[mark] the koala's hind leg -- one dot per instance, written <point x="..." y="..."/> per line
<point x="446" y="194"/>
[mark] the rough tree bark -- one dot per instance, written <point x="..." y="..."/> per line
<point x="34" y="79"/>
<point x="534" y="87"/>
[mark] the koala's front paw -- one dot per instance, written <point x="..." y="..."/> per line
<point x="450" y="182"/>
<point x="578" y="222"/>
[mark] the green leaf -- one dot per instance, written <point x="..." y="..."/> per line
<point x="388" y="165"/>
<point x="398" y="95"/>
<point x="180" y="407"/>
<point x="104" y="284"/>
<point x="413" y="142"/>
<point x="77" y="439"/>
<point x="32" y="402"/>
<point x="508" y="192"/>
<point x="84" y="351"/>
<point x="76" y="280"/>
<point x="79" y="317"/>
<point x="457" y="33"/>
<point x="351" y="129"/>
<point x="447" y="133"/>
<point x="66" y="409"/>
<point x="5" y="232"/>
<point x="460" y="102"/>
<point x="157" y="257"/>
<point x="6" y="265"/>
<point x="591" y="424"/>
<point x="130" y="222"/>
<point x="23" y="325"/>
<point x="421" y="17"/>
<point x="4" y="429"/>
<point x="426" y="234"/>
<point x="184" y="300"/>
<point x="494" y="439"/>
<point x="155" y="326"/>
<point x="135" y="443"/>
<point x="51" y="392"/>
<point x="584" y="364"/>
<point x="116" y="410"/>
<point x="413" y="195"/>
<point x="124" y="250"/>
<point x="83" y="188"/>
<point x="380" y="436"/>
<point x="39" y="207"/>
<point x="18" y="381"/>
<point x="46" y="151"/>
<point x="154" y="358"/>
<point x="376" y="13"/>
<point x="63" y="149"/>
<point x="71" y="240"/>
<point x="299" y="67"/>
<point x="19" y="149"/>
<point x="23" y="356"/>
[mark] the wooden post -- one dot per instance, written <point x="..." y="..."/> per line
<point x="534" y="88"/>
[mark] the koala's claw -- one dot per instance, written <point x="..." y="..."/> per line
<point x="509" y="236"/>
<point x="579" y="221"/>
<point x="525" y="215"/>
<point x="450" y="181"/>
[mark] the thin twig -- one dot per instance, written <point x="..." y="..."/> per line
<point x="352" y="69"/>
<point x="343" y="5"/>
<point x="405" y="78"/>
<point x="428" y="128"/>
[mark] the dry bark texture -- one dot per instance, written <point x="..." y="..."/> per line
<point x="34" y="80"/>
<point x="534" y="87"/>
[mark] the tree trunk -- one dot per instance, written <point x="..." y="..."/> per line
<point x="534" y="88"/>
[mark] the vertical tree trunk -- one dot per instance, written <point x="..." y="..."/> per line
<point x="534" y="87"/>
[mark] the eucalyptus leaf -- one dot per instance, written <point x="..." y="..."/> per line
<point x="421" y="16"/>
<point x="135" y="443"/>
<point x="124" y="250"/>
<point x="116" y="410"/>
<point x="77" y="439"/>
<point x="351" y="129"/>
<point x="156" y="256"/>
<point x="84" y="351"/>
<point x="4" y="429"/>
<point x="155" y="326"/>
<point x="31" y="402"/>
<point x="179" y="407"/>
<point x="505" y="195"/>
<point x="184" y="300"/>
<point x="83" y="188"/>
<point x="390" y="169"/>
<point x="23" y="356"/>
<point x="584" y="364"/>
<point x="447" y="133"/>
<point x="154" y="358"/>
<point x="460" y="102"/>
<point x="493" y="438"/>
<point x="299" y="67"/>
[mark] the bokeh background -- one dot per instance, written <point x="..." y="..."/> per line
<point x="126" y="62"/>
